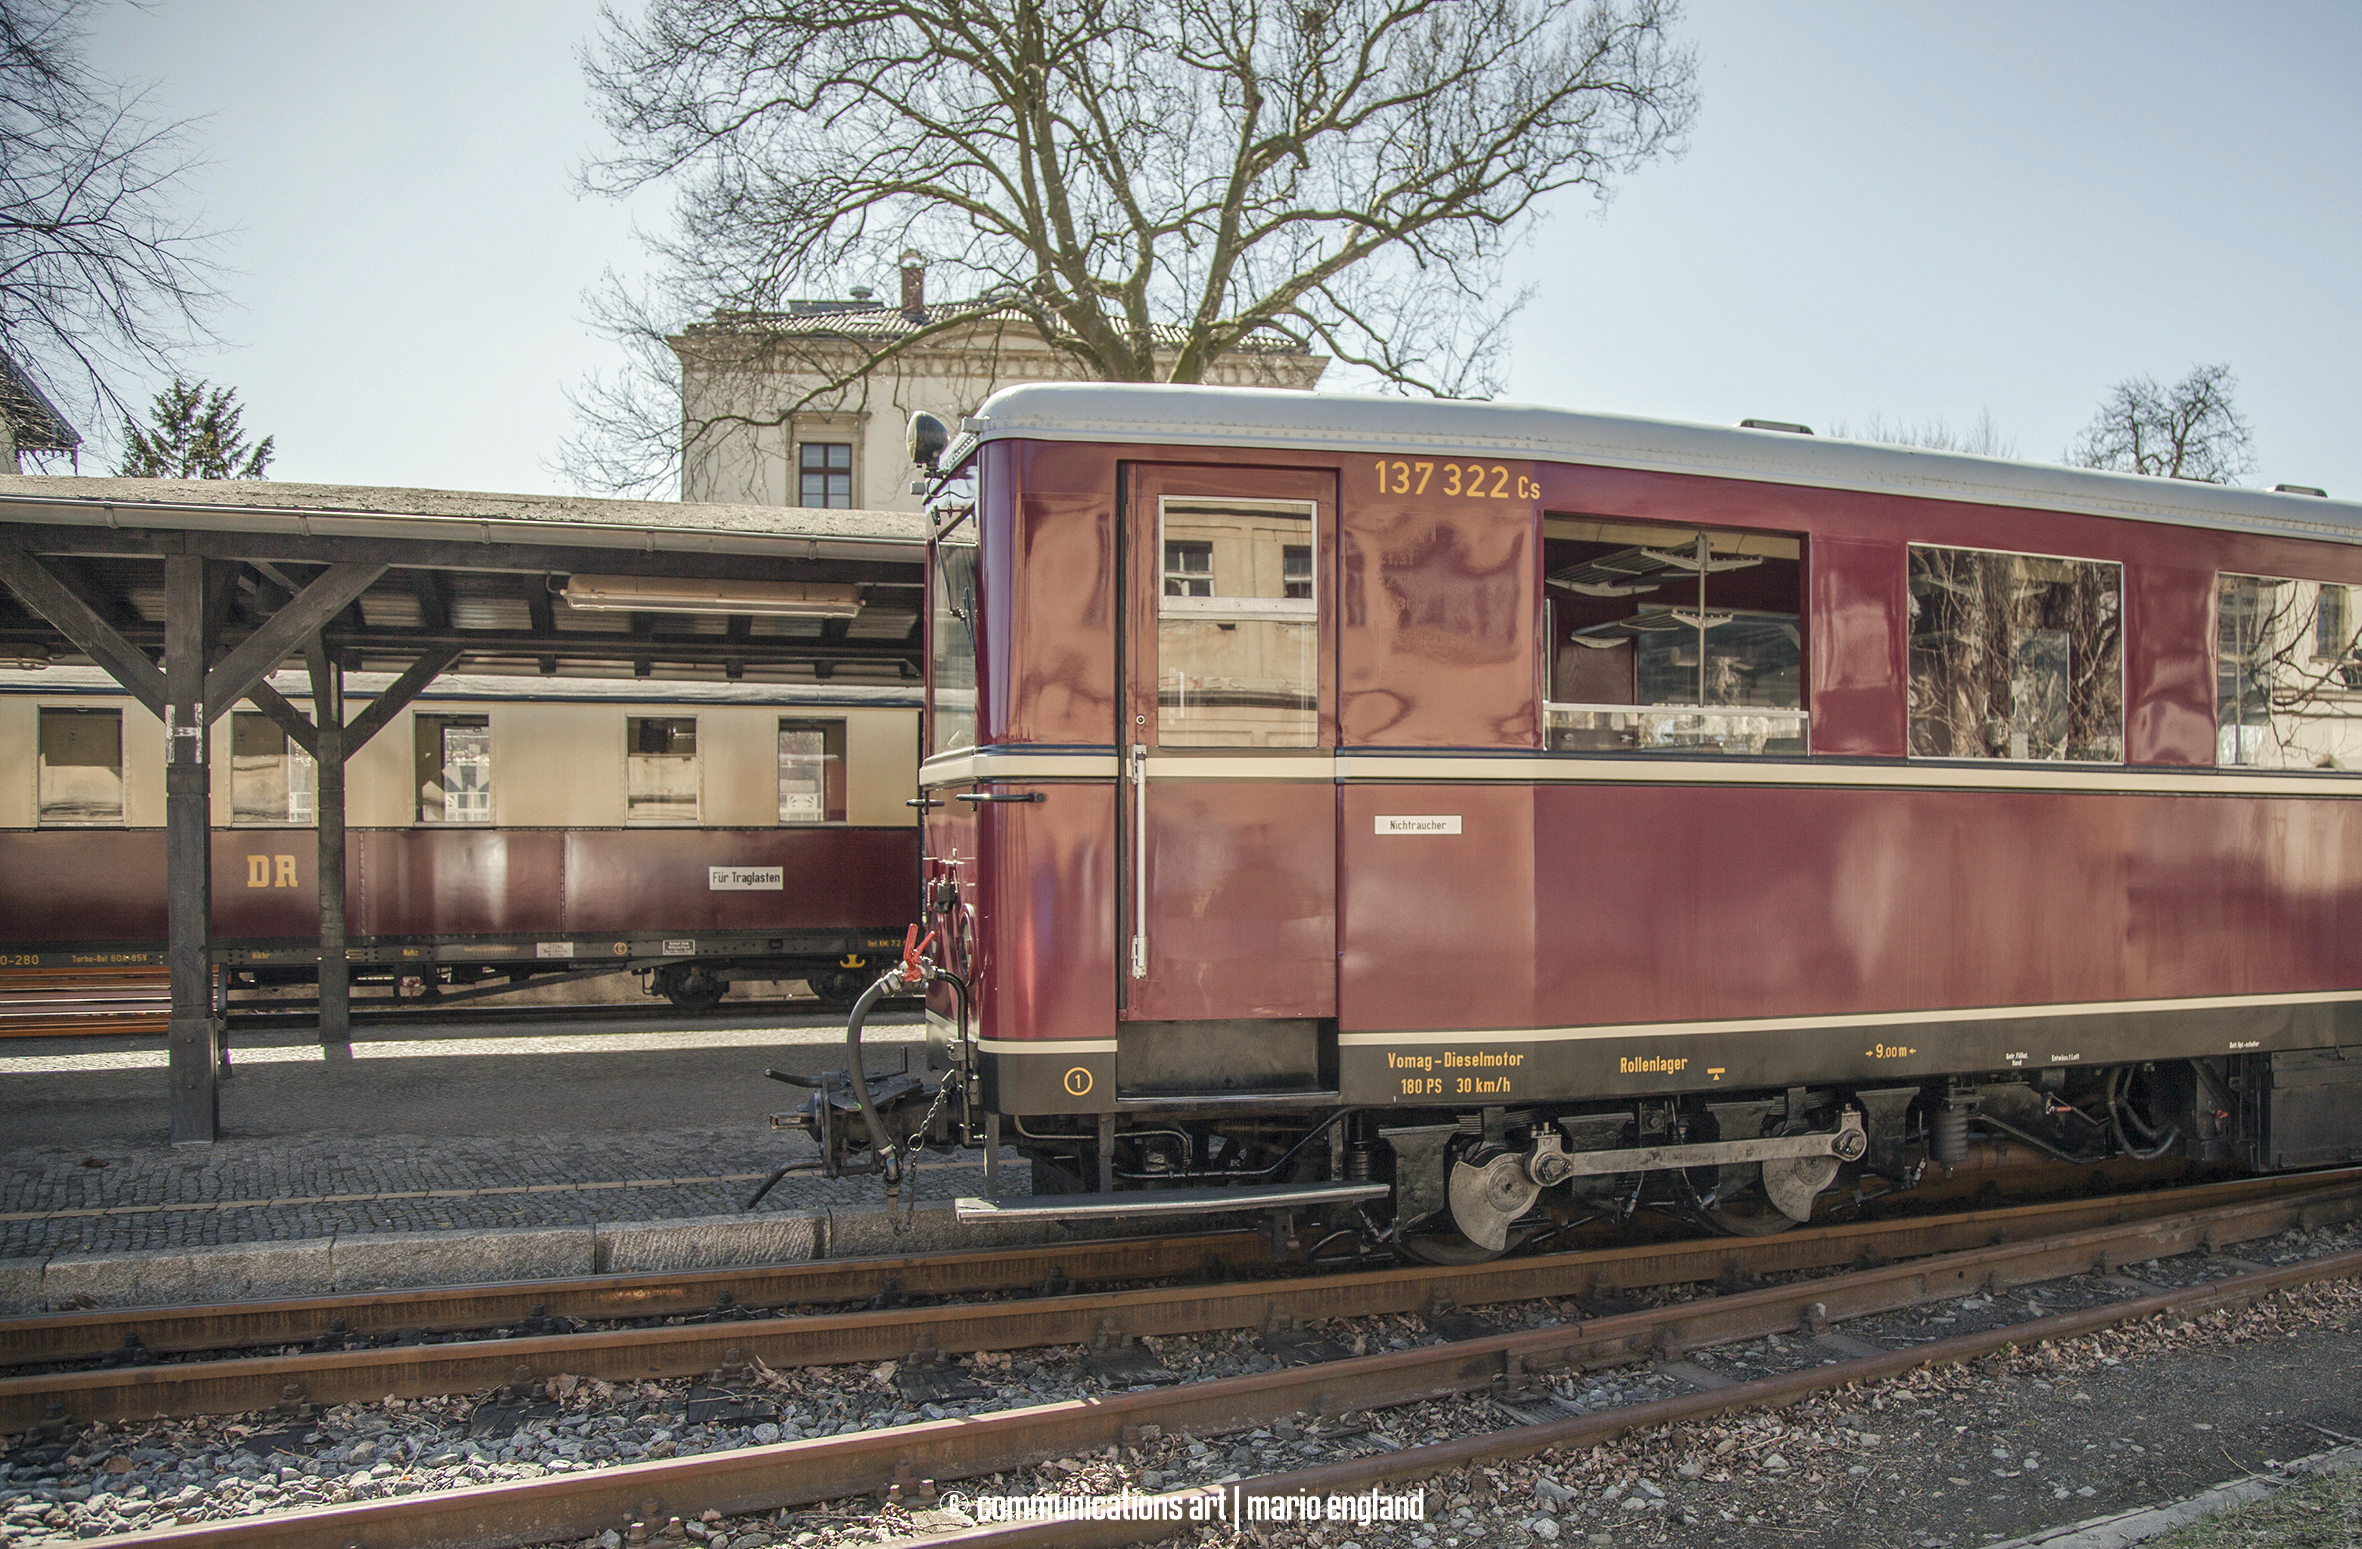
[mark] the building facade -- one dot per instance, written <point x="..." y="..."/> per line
<point x="744" y="373"/>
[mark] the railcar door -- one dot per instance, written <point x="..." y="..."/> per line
<point x="1228" y="976"/>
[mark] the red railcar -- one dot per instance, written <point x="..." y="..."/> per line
<point x="1504" y="807"/>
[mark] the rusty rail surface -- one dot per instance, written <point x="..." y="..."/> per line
<point x="678" y="1293"/>
<point x="830" y="1468"/>
<point x="409" y="1371"/>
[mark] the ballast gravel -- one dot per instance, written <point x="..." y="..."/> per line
<point x="1951" y="1457"/>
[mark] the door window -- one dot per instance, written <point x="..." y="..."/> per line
<point x="1238" y="625"/>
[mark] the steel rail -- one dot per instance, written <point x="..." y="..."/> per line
<point x="242" y="1385"/>
<point x="57" y="1337"/>
<point x="446" y="1309"/>
<point x="1577" y="1432"/>
<point x="830" y="1468"/>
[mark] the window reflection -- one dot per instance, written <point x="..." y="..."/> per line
<point x="951" y="673"/>
<point x="1673" y="639"/>
<point x="2288" y="689"/>
<point x="1237" y="626"/>
<point x="2016" y="656"/>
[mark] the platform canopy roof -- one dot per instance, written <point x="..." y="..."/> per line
<point x="514" y="584"/>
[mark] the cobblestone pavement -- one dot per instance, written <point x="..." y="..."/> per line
<point x="419" y="1136"/>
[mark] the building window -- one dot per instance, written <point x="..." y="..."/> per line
<point x="271" y="779"/>
<point x="2333" y="624"/>
<point x="1295" y="563"/>
<point x="81" y="767"/>
<point x="825" y="472"/>
<point x="811" y="772"/>
<point x="2016" y="656"/>
<point x="660" y="769"/>
<point x="1189" y="569"/>
<point x="454" y="768"/>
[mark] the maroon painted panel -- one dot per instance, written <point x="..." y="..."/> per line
<point x="84" y="884"/>
<point x="1242" y="886"/>
<point x="455" y="882"/>
<point x="1057" y="684"/>
<point x="1667" y="903"/>
<point x="1047" y="906"/>
<point x="2169" y="686"/>
<point x="266" y="884"/>
<point x="1441" y="599"/>
<point x="1857" y="684"/>
<point x="658" y="878"/>
<point x="1437" y="930"/>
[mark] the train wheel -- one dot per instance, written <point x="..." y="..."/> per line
<point x="838" y="988"/>
<point x="693" y="989"/>
<point x="1446" y="1245"/>
<point x="1758" y="1200"/>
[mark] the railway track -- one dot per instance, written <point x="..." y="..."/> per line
<point x="1934" y="1260"/>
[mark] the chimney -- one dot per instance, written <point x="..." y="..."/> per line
<point x="914" y="285"/>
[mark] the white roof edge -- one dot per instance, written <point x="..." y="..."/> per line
<point x="1344" y="422"/>
<point x="356" y="511"/>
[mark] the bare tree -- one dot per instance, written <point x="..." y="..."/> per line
<point x="1144" y="186"/>
<point x="100" y="278"/>
<point x="2187" y="431"/>
<point x="1981" y="437"/>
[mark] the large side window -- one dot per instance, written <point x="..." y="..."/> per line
<point x="811" y="772"/>
<point x="81" y="774"/>
<point x="454" y="768"/>
<point x="1237" y="632"/>
<point x="660" y="769"/>
<point x="2286" y="675"/>
<point x="270" y="777"/>
<point x="2016" y="656"/>
<point x="951" y="632"/>
<point x="1668" y="639"/>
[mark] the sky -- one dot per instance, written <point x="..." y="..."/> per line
<point x="1907" y="212"/>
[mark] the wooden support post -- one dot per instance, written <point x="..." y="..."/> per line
<point x="194" y="1037"/>
<point x="336" y="1030"/>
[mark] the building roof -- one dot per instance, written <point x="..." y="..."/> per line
<point x="1347" y="422"/>
<point x="879" y="323"/>
<point x="37" y="423"/>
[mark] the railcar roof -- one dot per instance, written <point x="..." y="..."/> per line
<point x="357" y="510"/>
<point x="1346" y="422"/>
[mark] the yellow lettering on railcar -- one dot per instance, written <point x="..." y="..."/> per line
<point x="1648" y="1065"/>
<point x="1888" y="1051"/>
<point x="1456" y="480"/>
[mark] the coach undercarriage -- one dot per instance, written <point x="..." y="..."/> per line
<point x="1450" y="1185"/>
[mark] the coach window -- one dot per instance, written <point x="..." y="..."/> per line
<point x="951" y="636"/>
<point x="1238" y="626"/>
<point x="81" y="777"/>
<point x="811" y="772"/>
<point x="2016" y="656"/>
<point x="660" y="771"/>
<point x="454" y="768"/>
<point x="2288" y="687"/>
<point x="1666" y="639"/>
<point x="270" y="777"/>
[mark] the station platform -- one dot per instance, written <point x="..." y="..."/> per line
<point x="440" y="1155"/>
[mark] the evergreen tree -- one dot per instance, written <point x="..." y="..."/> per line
<point x="194" y="435"/>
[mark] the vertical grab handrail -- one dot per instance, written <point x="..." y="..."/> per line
<point x="1139" y="860"/>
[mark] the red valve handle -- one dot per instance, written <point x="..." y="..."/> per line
<point x="914" y="946"/>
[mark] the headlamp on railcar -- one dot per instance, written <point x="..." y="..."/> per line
<point x="928" y="437"/>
